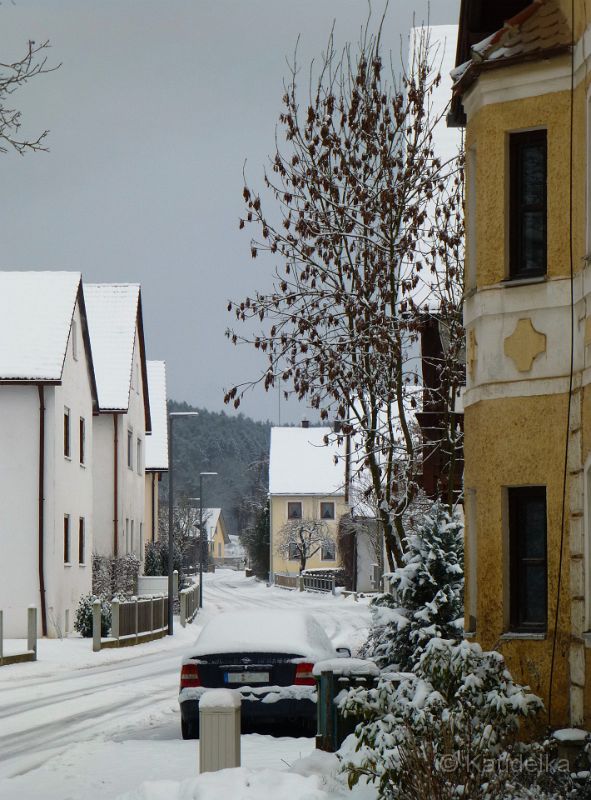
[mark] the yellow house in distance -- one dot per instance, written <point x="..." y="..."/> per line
<point x="215" y="531"/>
<point x="305" y="483"/>
<point x="523" y="92"/>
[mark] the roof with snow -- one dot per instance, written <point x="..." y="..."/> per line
<point x="212" y="517"/>
<point x="157" y="442"/>
<point x="36" y="310"/>
<point x="539" y="30"/>
<point x="300" y="463"/>
<point x="114" y="313"/>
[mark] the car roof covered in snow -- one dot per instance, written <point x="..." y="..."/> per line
<point x="301" y="463"/>
<point x="157" y="442"/>
<point x="276" y="631"/>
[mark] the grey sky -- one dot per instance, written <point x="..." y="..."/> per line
<point x="152" y="114"/>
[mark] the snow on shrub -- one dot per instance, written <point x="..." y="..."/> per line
<point x="430" y="732"/>
<point x="83" y="620"/>
<point x="427" y="597"/>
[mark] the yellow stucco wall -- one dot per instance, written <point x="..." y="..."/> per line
<point x="217" y="544"/>
<point x="310" y="510"/>
<point x="488" y="133"/>
<point x="528" y="453"/>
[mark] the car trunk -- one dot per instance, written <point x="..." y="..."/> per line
<point x="247" y="669"/>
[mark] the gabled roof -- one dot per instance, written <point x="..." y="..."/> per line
<point x="157" y="442"/>
<point x="212" y="517"/>
<point x="114" y="312"/>
<point x="301" y="464"/>
<point x="36" y="311"/>
<point x="538" y="31"/>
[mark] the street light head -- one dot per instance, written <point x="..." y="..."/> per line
<point x="208" y="473"/>
<point x="183" y="413"/>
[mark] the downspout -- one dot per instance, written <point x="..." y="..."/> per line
<point x="41" y="515"/>
<point x="154" y="489"/>
<point x="115" y="487"/>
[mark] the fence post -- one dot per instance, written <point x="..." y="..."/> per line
<point x="1" y="636"/>
<point x="183" y="599"/>
<point x="334" y="581"/>
<point x="136" y="615"/>
<point x="32" y="630"/>
<point x="302" y="586"/>
<point x="96" y="626"/>
<point x="115" y="619"/>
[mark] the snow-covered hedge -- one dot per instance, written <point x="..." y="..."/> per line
<point x="83" y="619"/>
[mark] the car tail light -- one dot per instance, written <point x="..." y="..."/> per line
<point x="190" y="676"/>
<point x="304" y="674"/>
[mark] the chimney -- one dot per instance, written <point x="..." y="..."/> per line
<point x="305" y="423"/>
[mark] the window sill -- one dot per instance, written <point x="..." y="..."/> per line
<point x="67" y="563"/>
<point x="83" y="465"/>
<point x="67" y="458"/>
<point x="524" y="281"/>
<point x="522" y="635"/>
<point x="82" y="565"/>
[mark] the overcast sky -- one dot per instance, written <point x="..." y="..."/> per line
<point x="152" y="114"/>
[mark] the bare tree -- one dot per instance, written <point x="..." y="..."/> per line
<point x="368" y="245"/>
<point x="302" y="538"/>
<point x="13" y="76"/>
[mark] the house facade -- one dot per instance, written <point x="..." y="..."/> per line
<point x="47" y="401"/>
<point x="216" y="532"/>
<point x="523" y="92"/>
<point x="156" y="447"/>
<point x="305" y="483"/>
<point x="117" y="340"/>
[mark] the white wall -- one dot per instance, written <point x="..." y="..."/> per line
<point x="103" y="482"/>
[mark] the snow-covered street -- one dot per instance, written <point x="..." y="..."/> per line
<point x="77" y="724"/>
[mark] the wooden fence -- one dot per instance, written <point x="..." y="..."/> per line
<point x="133" y="621"/>
<point x="286" y="581"/>
<point x="28" y="654"/>
<point x="189" y="601"/>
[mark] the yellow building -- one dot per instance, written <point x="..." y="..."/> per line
<point x="523" y="94"/>
<point x="305" y="484"/>
<point x="216" y="533"/>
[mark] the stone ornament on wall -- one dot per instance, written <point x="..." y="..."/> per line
<point x="524" y="345"/>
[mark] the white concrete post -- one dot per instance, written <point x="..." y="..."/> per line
<point x="333" y="584"/>
<point x="96" y="626"/>
<point x="183" y="598"/>
<point x="219" y="730"/>
<point x="115" y="618"/>
<point x="32" y="630"/>
<point x="175" y="583"/>
<point x="1" y="636"/>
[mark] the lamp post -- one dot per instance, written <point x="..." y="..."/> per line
<point x="201" y="476"/>
<point x="172" y="416"/>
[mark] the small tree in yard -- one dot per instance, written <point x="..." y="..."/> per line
<point x="255" y="540"/>
<point x="302" y="538"/>
<point x="367" y="227"/>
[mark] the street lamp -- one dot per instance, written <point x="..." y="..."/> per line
<point x="171" y="416"/>
<point x="201" y="476"/>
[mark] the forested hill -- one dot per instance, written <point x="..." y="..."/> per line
<point x="236" y="447"/>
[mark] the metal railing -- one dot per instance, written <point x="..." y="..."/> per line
<point x="132" y="621"/>
<point x="30" y="654"/>
<point x="189" y="601"/>
<point x="313" y="582"/>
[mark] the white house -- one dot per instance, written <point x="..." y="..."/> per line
<point x="156" y="446"/>
<point x="305" y="483"/>
<point x="47" y="399"/>
<point x="117" y="340"/>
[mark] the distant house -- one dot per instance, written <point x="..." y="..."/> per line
<point x="305" y="483"/>
<point x="47" y="399"/>
<point x="117" y="340"/>
<point x="156" y="446"/>
<point x="215" y="531"/>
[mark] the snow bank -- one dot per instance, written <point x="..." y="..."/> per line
<point x="346" y="666"/>
<point x="570" y="735"/>
<point x="266" y="694"/>
<point x="220" y="698"/>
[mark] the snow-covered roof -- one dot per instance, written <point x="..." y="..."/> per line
<point x="157" y="442"/>
<point x="113" y="311"/>
<point x="36" y="310"/>
<point x="301" y="464"/>
<point x="212" y="517"/>
<point x="274" y="631"/>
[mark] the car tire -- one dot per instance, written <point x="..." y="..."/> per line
<point x="189" y="730"/>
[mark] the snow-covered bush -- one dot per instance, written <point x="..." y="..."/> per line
<point x="83" y="619"/>
<point x="427" y="596"/>
<point x="115" y="576"/>
<point x="152" y="559"/>
<point x="101" y="576"/>
<point x="432" y="732"/>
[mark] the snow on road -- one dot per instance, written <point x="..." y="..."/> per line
<point x="77" y="724"/>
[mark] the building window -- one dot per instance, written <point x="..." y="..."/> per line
<point x="127" y="536"/>
<point x="138" y="458"/>
<point x="67" y="432"/>
<point x="82" y="440"/>
<point x="326" y="510"/>
<point x="141" y="539"/>
<point x="74" y="335"/>
<point x="130" y="449"/>
<point x="132" y="545"/>
<point x="294" y="552"/>
<point x="66" y="539"/>
<point x="219" y="549"/>
<point x="81" y="541"/>
<point x="328" y="551"/>
<point x="527" y="204"/>
<point x="528" y="569"/>
<point x="294" y="510"/>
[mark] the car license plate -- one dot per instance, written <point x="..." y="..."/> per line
<point x="247" y="677"/>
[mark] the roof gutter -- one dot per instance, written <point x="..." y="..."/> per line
<point x="41" y="514"/>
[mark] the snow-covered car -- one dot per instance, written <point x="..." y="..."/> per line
<point x="266" y="656"/>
